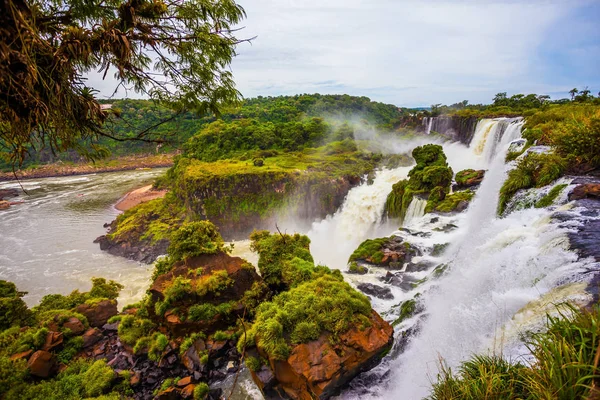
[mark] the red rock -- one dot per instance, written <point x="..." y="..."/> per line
<point x="188" y="391"/>
<point x="4" y="204"/>
<point x="168" y="394"/>
<point x="23" y="355"/>
<point x="586" y="190"/>
<point x="91" y="337"/>
<point x="135" y="379"/>
<point x="318" y="369"/>
<point x="53" y="340"/>
<point x="75" y="325"/>
<point x="41" y="364"/>
<point x="184" y="381"/>
<point x="99" y="313"/>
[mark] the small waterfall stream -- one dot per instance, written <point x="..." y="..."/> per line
<point x="415" y="210"/>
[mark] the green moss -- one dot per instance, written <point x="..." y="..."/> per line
<point x="431" y="177"/>
<point x="253" y="363"/>
<point x="131" y="329"/>
<point x="534" y="170"/>
<point x="153" y="220"/>
<point x="451" y="201"/>
<point x="326" y="304"/>
<point x="101" y="290"/>
<point x="407" y="310"/>
<point x="354" y="268"/>
<point x="369" y="249"/>
<point x="71" y="347"/>
<point x="220" y="336"/>
<point x="549" y="198"/>
<point x="438" y="249"/>
<point x="463" y="177"/>
<point x="194" y="239"/>
<point x="201" y="391"/>
<point x="189" y="341"/>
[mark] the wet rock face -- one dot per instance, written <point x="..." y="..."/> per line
<point x="585" y="191"/>
<point x="380" y="292"/>
<point x="6" y="193"/>
<point x="391" y="253"/>
<point x="319" y="369"/>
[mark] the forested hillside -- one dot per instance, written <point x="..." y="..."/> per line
<point x="284" y="122"/>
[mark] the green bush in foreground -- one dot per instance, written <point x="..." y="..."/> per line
<point x="564" y="366"/>
<point x="326" y="304"/>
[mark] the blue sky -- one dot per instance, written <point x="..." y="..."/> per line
<point x="417" y="52"/>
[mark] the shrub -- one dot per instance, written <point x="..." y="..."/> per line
<point x="194" y="239"/>
<point x="131" y="329"/>
<point x="326" y="304"/>
<point x="534" y="170"/>
<point x="275" y="251"/>
<point x="97" y="379"/>
<point x="369" y="249"/>
<point x="13" y="310"/>
<point x="201" y="391"/>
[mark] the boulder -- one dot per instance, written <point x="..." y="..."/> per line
<point x="98" y="314"/>
<point x="4" y="204"/>
<point x="53" y="340"/>
<point x="468" y="178"/>
<point x="188" y="391"/>
<point x="91" y="337"/>
<point x="41" y="364"/>
<point x="21" y="356"/>
<point x="392" y="252"/>
<point x="320" y="368"/>
<point x="587" y="190"/>
<point x="375" y="290"/>
<point x="75" y="325"/>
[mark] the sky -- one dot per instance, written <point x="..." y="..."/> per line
<point x="414" y="53"/>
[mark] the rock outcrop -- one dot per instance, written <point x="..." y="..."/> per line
<point x="468" y="178"/>
<point x="391" y="253"/>
<point x="133" y="247"/>
<point x="318" y="369"/>
<point x="585" y="191"/>
<point x="99" y="313"/>
<point x="213" y="280"/>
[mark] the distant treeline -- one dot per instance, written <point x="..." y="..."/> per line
<point x="283" y="122"/>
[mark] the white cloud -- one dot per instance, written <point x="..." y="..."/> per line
<point x="405" y="52"/>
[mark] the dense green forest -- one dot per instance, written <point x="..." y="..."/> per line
<point x="283" y="122"/>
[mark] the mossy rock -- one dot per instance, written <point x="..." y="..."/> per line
<point x="386" y="252"/>
<point x="469" y="178"/>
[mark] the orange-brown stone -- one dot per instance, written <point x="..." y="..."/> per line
<point x="41" y="364"/>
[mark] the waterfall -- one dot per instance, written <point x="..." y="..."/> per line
<point x="497" y="266"/>
<point x="336" y="237"/>
<point x="416" y="209"/>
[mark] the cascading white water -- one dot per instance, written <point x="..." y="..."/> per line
<point x="336" y="237"/>
<point x="415" y="210"/>
<point x="497" y="267"/>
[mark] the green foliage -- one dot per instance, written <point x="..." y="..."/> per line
<point x="482" y="377"/>
<point x="70" y="349"/>
<point x="564" y="365"/>
<point x="326" y="304"/>
<point x="253" y="363"/>
<point x="408" y="308"/>
<point x="81" y="379"/>
<point x="189" y="341"/>
<point x="12" y="374"/>
<point x="450" y="202"/>
<point x="369" y="249"/>
<point x="549" y="198"/>
<point x="201" y="391"/>
<point x="462" y="177"/>
<point x="131" y="329"/>
<point x="431" y="176"/>
<point x="50" y="104"/>
<point x="354" y="268"/>
<point x="104" y="290"/>
<point x="194" y="239"/>
<point x="151" y="221"/>
<point x="533" y="170"/>
<point x="220" y="336"/>
<point x="13" y="310"/>
<point x="276" y="251"/>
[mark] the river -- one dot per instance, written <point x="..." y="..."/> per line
<point x="46" y="242"/>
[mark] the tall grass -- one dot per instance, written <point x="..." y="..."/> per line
<point x="564" y="367"/>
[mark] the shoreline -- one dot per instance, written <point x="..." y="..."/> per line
<point x="125" y="163"/>
<point x="138" y="196"/>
